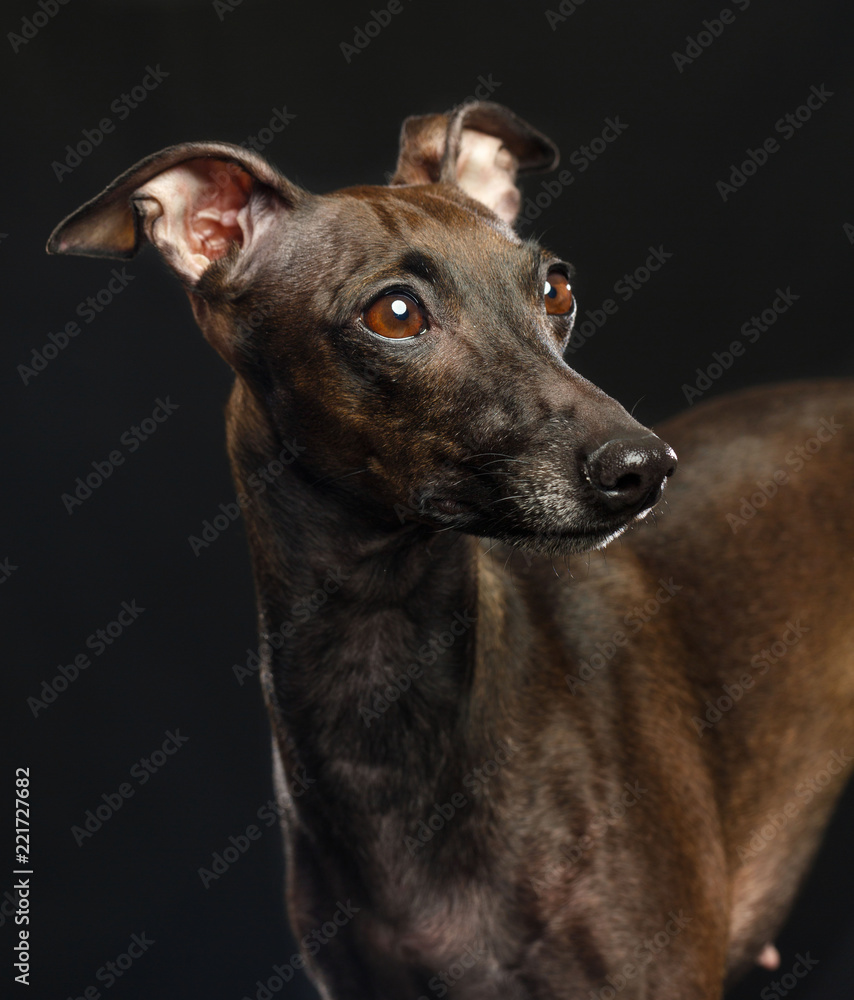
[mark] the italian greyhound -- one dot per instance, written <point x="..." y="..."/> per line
<point x="511" y="769"/>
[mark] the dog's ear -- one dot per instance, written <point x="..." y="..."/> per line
<point x="193" y="202"/>
<point x="479" y="146"/>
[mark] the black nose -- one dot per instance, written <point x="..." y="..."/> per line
<point x="628" y="473"/>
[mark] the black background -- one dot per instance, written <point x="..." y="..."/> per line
<point x="227" y="73"/>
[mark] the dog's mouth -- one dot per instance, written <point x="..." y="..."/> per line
<point x="552" y="498"/>
<point x="553" y="531"/>
<point x="571" y="541"/>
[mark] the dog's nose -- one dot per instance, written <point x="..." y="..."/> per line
<point x="629" y="473"/>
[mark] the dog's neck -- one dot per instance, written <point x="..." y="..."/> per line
<point x="367" y="634"/>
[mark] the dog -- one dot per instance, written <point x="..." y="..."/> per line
<point x="505" y="771"/>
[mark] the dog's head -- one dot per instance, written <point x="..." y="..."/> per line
<point x="404" y="335"/>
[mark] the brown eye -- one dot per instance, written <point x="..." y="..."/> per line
<point x="395" y="316"/>
<point x="557" y="294"/>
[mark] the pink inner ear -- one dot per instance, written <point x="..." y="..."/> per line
<point x="213" y="222"/>
<point x="486" y="170"/>
<point x="195" y="211"/>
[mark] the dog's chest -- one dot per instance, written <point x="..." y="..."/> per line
<point x="430" y="908"/>
<point x="459" y="939"/>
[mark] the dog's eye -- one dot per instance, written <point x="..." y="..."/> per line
<point x="557" y="294"/>
<point x="395" y="316"/>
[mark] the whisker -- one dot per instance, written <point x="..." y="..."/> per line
<point x="507" y="560"/>
<point x="491" y="547"/>
<point x="637" y="404"/>
<point x="518" y="496"/>
<point x="506" y="458"/>
<point x="327" y="479"/>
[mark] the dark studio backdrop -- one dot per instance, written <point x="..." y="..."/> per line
<point x="780" y="231"/>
